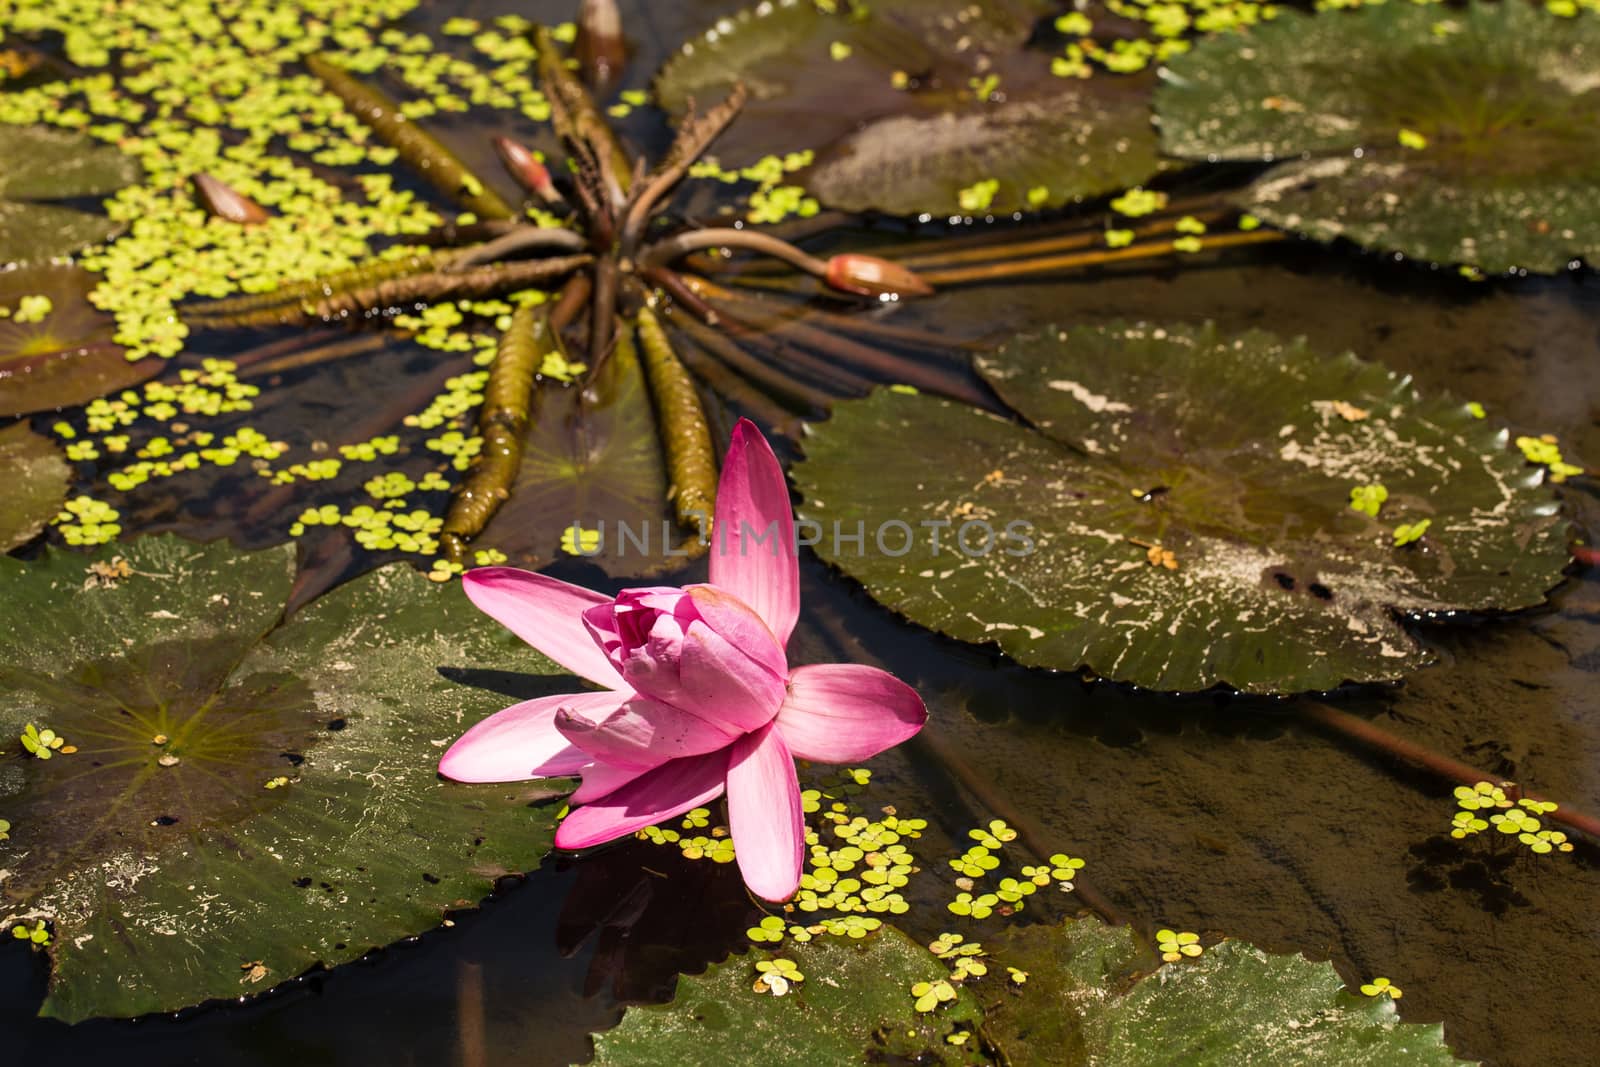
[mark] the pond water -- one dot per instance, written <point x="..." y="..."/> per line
<point x="1213" y="813"/>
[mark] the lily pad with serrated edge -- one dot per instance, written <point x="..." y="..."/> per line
<point x="1232" y="1004"/>
<point x="1505" y="98"/>
<point x="66" y="358"/>
<point x="49" y="164"/>
<point x="1091" y="995"/>
<point x="35" y="475"/>
<point x="1236" y="455"/>
<point x="163" y="861"/>
<point x="826" y="80"/>
<point x="854" y="1003"/>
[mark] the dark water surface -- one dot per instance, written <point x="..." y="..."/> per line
<point x="1222" y="815"/>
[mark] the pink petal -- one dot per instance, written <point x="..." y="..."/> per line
<point x="548" y="614"/>
<point x="602" y="778"/>
<point x="769" y="830"/>
<point x="732" y="619"/>
<point x="721" y="683"/>
<point x="751" y="498"/>
<point x="847" y="712"/>
<point x="522" y="741"/>
<point x="643" y="733"/>
<point x="671" y="789"/>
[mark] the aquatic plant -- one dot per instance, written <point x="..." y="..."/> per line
<point x="1175" y="498"/>
<point x="698" y="696"/>
<point x="267" y="785"/>
<point x="1450" y="135"/>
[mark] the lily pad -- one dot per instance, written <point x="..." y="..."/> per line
<point x="1090" y="997"/>
<point x="592" y="458"/>
<point x="68" y="356"/>
<point x="1179" y="514"/>
<point x="245" y="793"/>
<point x="1232" y="1004"/>
<point x="910" y="104"/>
<point x="50" y="164"/>
<point x="854" y="1000"/>
<point x="1450" y="135"/>
<point x="36" y="476"/>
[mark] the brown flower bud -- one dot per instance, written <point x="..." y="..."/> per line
<point x="226" y="202"/>
<point x="852" y="272"/>
<point x="599" y="47"/>
<point x="524" y="166"/>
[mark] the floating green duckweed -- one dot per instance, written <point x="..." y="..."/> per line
<point x="1177" y="945"/>
<point x="1545" y="451"/>
<point x="38" y="934"/>
<point x="86" y="521"/>
<point x="1367" y="499"/>
<point x="1519" y="819"/>
<point x="1381" y="987"/>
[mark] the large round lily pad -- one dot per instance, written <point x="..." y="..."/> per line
<point x="35" y="475"/>
<point x="1235" y="455"/>
<point x="68" y="356"/>
<point x="49" y="164"/>
<point x="1454" y="135"/>
<point x="911" y="102"/>
<point x="1091" y="996"/>
<point x="244" y="792"/>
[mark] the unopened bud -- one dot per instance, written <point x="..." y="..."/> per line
<point x="599" y="48"/>
<point x="226" y="202"/>
<point x="852" y="272"/>
<point x="524" y="166"/>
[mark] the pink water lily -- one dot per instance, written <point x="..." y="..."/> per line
<point x="699" y="696"/>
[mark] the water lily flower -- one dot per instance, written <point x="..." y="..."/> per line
<point x="698" y="695"/>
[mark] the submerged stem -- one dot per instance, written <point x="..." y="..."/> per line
<point x="1371" y="735"/>
<point x="1019" y="268"/>
<point x="671" y="248"/>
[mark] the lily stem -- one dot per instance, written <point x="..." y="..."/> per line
<point x="932" y="744"/>
<point x="1370" y="735"/>
<point x="671" y="248"/>
<point x="1020" y="268"/>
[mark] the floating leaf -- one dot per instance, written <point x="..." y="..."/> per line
<point x="1089" y="998"/>
<point x="1232" y="1004"/>
<point x="35" y="476"/>
<point x="49" y="164"/>
<point x="910" y="103"/>
<point x="1182" y="510"/>
<point x="67" y="357"/>
<point x="855" y="1000"/>
<point x="158" y="851"/>
<point x="591" y="459"/>
<point x="1450" y="135"/>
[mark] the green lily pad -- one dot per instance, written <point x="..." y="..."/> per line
<point x="1450" y="135"/>
<point x="855" y="1000"/>
<point x="66" y="358"/>
<point x="244" y="792"/>
<point x="50" y="164"/>
<point x="1091" y="996"/>
<point x="897" y="99"/>
<point x="1236" y="455"/>
<point x="36" y="476"/>
<point x="591" y="457"/>
<point x="1232" y="1004"/>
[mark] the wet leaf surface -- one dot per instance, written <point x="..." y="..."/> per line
<point x="1468" y="136"/>
<point x="1091" y="996"/>
<point x="35" y="476"/>
<point x="49" y="164"/>
<point x="66" y="358"/>
<point x="909" y="104"/>
<point x="1184" y="510"/>
<point x="591" y="457"/>
<point x="243" y="793"/>
<point x="855" y="1000"/>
